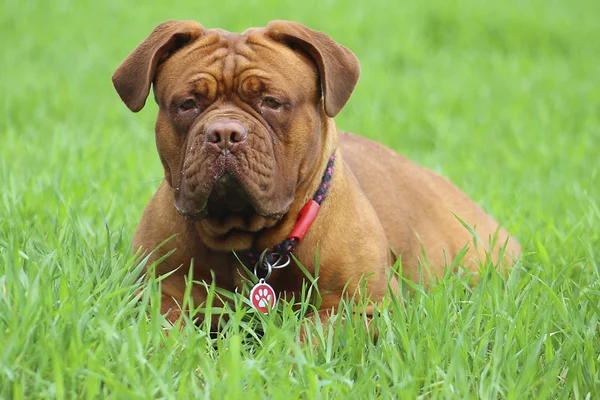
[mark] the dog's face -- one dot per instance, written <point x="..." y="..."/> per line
<point x="240" y="117"/>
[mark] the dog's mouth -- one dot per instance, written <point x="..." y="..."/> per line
<point x="228" y="197"/>
<point x="229" y="210"/>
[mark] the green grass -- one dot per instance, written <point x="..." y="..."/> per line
<point x="503" y="98"/>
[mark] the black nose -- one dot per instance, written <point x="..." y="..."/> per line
<point x="226" y="135"/>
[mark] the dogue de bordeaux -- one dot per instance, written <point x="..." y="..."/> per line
<point x="256" y="170"/>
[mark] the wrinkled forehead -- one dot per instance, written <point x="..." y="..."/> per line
<point x="232" y="57"/>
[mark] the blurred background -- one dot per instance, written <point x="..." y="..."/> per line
<point x="501" y="97"/>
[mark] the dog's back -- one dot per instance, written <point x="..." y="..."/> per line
<point x="417" y="208"/>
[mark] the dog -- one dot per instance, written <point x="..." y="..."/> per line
<point x="257" y="172"/>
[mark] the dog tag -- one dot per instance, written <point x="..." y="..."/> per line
<point x="262" y="297"/>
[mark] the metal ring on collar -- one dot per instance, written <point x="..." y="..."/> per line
<point x="279" y="263"/>
<point x="283" y="260"/>
<point x="264" y="264"/>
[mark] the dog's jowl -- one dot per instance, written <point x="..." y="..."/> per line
<point x="256" y="171"/>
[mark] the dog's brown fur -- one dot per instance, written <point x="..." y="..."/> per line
<point x="378" y="199"/>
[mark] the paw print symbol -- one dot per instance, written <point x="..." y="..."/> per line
<point x="263" y="298"/>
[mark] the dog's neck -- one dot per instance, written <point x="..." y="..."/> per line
<point x="305" y="191"/>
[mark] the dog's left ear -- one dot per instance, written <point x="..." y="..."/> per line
<point x="133" y="77"/>
<point x="338" y="67"/>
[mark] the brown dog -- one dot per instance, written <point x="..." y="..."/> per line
<point x="245" y="134"/>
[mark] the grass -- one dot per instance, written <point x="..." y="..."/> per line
<point x="502" y="98"/>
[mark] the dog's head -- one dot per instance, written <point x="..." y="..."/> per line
<point x="240" y="118"/>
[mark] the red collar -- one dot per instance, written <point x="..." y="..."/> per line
<point x="279" y="255"/>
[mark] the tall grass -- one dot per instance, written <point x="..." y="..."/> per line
<point x="502" y="98"/>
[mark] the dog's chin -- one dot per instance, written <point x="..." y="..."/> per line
<point x="232" y="230"/>
<point x="230" y="219"/>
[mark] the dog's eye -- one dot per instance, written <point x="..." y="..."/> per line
<point x="271" y="103"/>
<point x="189" y="104"/>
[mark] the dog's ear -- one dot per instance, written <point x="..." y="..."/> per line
<point x="338" y="67"/>
<point x="133" y="77"/>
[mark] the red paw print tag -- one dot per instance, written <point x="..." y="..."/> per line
<point x="262" y="297"/>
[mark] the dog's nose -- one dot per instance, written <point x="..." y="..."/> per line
<point x="227" y="135"/>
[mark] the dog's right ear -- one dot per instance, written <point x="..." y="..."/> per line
<point x="133" y="77"/>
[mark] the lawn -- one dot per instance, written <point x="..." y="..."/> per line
<point x="503" y="98"/>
